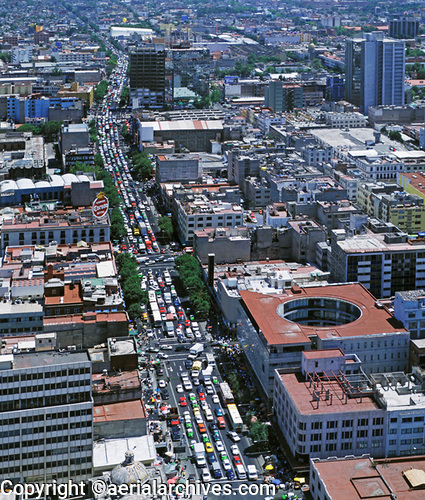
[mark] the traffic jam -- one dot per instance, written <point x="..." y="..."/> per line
<point x="191" y="408"/>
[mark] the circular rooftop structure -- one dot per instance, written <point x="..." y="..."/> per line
<point x="319" y="311"/>
<point x="129" y="471"/>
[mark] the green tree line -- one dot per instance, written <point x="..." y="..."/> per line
<point x="190" y="274"/>
<point x="130" y="284"/>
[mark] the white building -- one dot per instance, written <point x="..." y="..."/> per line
<point x="274" y="330"/>
<point x="46" y="416"/>
<point x="70" y="227"/>
<point x="202" y="213"/>
<point x="21" y="54"/>
<point x="21" y="318"/>
<point x="409" y="308"/>
<point x="334" y="409"/>
<point x="385" y="261"/>
<point x="314" y="155"/>
<point x="345" y="120"/>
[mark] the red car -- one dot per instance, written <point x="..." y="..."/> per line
<point x="201" y="396"/>
<point x="180" y="314"/>
<point x="187" y="323"/>
<point x="183" y="402"/>
<point x="237" y="460"/>
<point x="124" y="247"/>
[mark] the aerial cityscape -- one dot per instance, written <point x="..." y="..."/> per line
<point x="212" y="250"/>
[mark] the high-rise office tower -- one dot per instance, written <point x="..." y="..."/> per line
<point x="147" y="76"/>
<point x="46" y="415"/>
<point x="404" y="27"/>
<point x="374" y="71"/>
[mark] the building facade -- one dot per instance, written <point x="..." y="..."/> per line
<point x="274" y="330"/>
<point x="147" y="76"/>
<point x="46" y="413"/>
<point x="374" y="71"/>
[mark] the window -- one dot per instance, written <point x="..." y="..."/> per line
<point x="362" y="433"/>
<point x="347" y="435"/>
<point x="377" y="432"/>
<point x="331" y="447"/>
<point x="362" y="422"/>
<point x="316" y="425"/>
<point x="347" y="423"/>
<point x="330" y="436"/>
<point x="333" y="424"/>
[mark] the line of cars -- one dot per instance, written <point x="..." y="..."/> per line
<point x="140" y="236"/>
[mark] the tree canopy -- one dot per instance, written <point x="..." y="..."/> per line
<point x="190" y="273"/>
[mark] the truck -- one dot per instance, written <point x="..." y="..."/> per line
<point x="207" y="372"/>
<point x="199" y="454"/>
<point x="196" y="349"/>
<point x="169" y="326"/>
<point x="216" y="470"/>
<point x="252" y="472"/>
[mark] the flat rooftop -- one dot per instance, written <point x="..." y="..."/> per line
<point x="107" y="453"/>
<point x="122" y="346"/>
<point x="373" y="320"/>
<point x="301" y="394"/>
<point x="124" y="410"/>
<point x="322" y="354"/>
<point x="50" y="358"/>
<point x="128" y="380"/>
<point x="355" y="139"/>
<point x="362" y="479"/>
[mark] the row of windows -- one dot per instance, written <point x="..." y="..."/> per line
<point x="49" y="416"/>
<point x="24" y="377"/>
<point x="56" y="400"/>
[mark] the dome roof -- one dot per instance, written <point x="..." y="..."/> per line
<point x="129" y="471"/>
<point x="56" y="180"/>
<point x="69" y="178"/>
<point x="42" y="184"/>
<point x="25" y="184"/>
<point x="8" y="185"/>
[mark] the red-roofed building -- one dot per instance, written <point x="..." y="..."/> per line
<point x="364" y="478"/>
<point x="119" y="420"/>
<point x="274" y="330"/>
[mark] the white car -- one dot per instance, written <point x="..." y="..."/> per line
<point x="162" y="384"/>
<point x="206" y="476"/>
<point x="226" y="464"/>
<point x="216" y="399"/>
<point x="235" y="449"/>
<point x="219" y="446"/>
<point x="167" y="347"/>
<point x="204" y="405"/>
<point x="162" y="355"/>
<point x="199" y="419"/>
<point x="234" y="436"/>
<point x="179" y="388"/>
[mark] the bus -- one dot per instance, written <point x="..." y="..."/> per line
<point x="226" y="393"/>
<point x="210" y="359"/>
<point x="157" y="321"/>
<point x="234" y="417"/>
